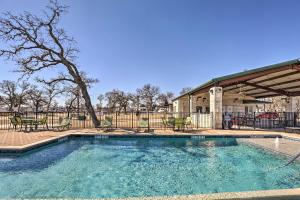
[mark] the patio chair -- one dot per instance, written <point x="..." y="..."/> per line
<point x="188" y="122"/>
<point x="143" y="123"/>
<point x="179" y="123"/>
<point x="15" y="122"/>
<point x="168" y="122"/>
<point x="107" y="122"/>
<point x="164" y="121"/>
<point x="171" y="121"/>
<point x="65" y="123"/>
<point x="43" y="122"/>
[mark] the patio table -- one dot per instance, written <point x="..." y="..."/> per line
<point x="29" y="121"/>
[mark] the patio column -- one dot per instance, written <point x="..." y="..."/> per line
<point x="190" y="104"/>
<point x="290" y="109"/>
<point x="216" y="100"/>
<point x="291" y="104"/>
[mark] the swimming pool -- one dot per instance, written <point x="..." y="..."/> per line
<point x="135" y="167"/>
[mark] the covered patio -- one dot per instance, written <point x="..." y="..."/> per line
<point x="244" y="92"/>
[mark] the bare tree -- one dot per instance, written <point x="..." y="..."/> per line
<point x="148" y="95"/>
<point x="37" y="99"/>
<point x="100" y="99"/>
<point x="185" y="90"/>
<point x="8" y="90"/>
<point x="51" y="91"/>
<point x="164" y="99"/>
<point x="13" y="94"/>
<point x="38" y="43"/>
<point x="134" y="101"/>
<point x="118" y="100"/>
<point x="124" y="101"/>
<point x="111" y="98"/>
<point x="74" y="98"/>
<point x="22" y="96"/>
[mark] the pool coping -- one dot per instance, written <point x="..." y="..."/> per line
<point x="291" y="194"/>
<point x="61" y="138"/>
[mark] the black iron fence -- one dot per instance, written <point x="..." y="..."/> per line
<point x="261" y="120"/>
<point x="160" y="120"/>
<point x="128" y="120"/>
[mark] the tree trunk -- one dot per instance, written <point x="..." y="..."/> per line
<point x="88" y="103"/>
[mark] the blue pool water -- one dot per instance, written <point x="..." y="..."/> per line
<point x="91" y="168"/>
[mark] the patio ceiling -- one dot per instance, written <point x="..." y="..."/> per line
<point x="281" y="79"/>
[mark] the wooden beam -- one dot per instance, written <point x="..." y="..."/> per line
<point x="287" y="88"/>
<point x="267" y="96"/>
<point x="270" y="79"/>
<point x="277" y="84"/>
<point x="297" y="93"/>
<point x="278" y="77"/>
<point x="254" y="75"/>
<point x="257" y="93"/>
<point x="281" y="92"/>
<point x="296" y="67"/>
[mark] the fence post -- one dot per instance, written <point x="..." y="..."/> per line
<point x="132" y="119"/>
<point x="116" y="119"/>
<point x="52" y="120"/>
<point x="238" y="121"/>
<point x="100" y="118"/>
<point x="197" y="119"/>
<point x="254" y="122"/>
<point x="84" y="119"/>
<point x="148" y="122"/>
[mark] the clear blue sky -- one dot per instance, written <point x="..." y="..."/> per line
<point x="173" y="43"/>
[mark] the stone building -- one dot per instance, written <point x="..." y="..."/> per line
<point x="248" y="91"/>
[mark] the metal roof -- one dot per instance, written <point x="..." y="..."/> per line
<point x="283" y="72"/>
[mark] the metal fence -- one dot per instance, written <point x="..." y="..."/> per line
<point x="261" y="120"/>
<point x="157" y="120"/>
<point x="129" y="120"/>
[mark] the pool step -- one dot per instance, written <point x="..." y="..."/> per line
<point x="101" y="137"/>
<point x="63" y="139"/>
<point x="197" y="137"/>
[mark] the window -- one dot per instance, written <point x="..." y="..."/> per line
<point x="246" y="109"/>
<point x="198" y="109"/>
<point x="207" y="110"/>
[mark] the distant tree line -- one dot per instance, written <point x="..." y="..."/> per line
<point x="146" y="98"/>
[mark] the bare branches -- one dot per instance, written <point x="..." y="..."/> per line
<point x="13" y="94"/>
<point x="38" y="43"/>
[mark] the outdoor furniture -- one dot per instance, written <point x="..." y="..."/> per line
<point x="15" y="122"/>
<point x="28" y="121"/>
<point x="168" y="122"/>
<point x="179" y="123"/>
<point x="188" y="122"/>
<point x="43" y="122"/>
<point x="107" y="122"/>
<point x="64" y="124"/>
<point x="143" y="123"/>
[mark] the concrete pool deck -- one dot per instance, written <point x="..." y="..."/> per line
<point x="287" y="145"/>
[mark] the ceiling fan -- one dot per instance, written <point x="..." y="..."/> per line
<point x="241" y="93"/>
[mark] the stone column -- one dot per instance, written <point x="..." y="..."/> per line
<point x="216" y="100"/>
<point x="290" y="109"/>
<point x="291" y="104"/>
<point x="191" y="104"/>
